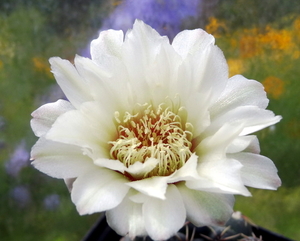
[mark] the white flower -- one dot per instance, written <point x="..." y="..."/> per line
<point x="154" y="133"/>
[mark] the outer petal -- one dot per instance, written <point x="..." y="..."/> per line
<point x="107" y="46"/>
<point x="127" y="218"/>
<point x="74" y="87"/>
<point x="258" y="171"/>
<point x="191" y="41"/>
<point x="98" y="190"/>
<point x="215" y="145"/>
<point x="253" y="118"/>
<point x="153" y="186"/>
<point x="45" y="116"/>
<point x="240" y="91"/>
<point x="69" y="183"/>
<point x="137" y="170"/>
<point x="144" y="50"/>
<point x="88" y="127"/>
<point x="187" y="171"/>
<point x="224" y="174"/>
<point x="205" y="208"/>
<point x="59" y="160"/>
<point x="73" y="128"/>
<point x="242" y="143"/>
<point x="105" y="84"/>
<point x="115" y="165"/>
<point x="163" y="218"/>
<point x="197" y="49"/>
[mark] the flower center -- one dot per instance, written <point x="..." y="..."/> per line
<point x="158" y="133"/>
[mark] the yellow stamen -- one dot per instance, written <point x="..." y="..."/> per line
<point x="153" y="132"/>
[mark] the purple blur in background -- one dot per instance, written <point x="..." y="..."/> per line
<point x="166" y="17"/>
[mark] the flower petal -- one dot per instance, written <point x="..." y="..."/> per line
<point x="87" y="127"/>
<point x="188" y="42"/>
<point x="104" y="84"/>
<point x="115" y="165"/>
<point x="45" y="116"/>
<point x="107" y="46"/>
<point x="252" y="117"/>
<point x="215" y="145"/>
<point x="224" y="174"/>
<point x="153" y="186"/>
<point x="163" y="218"/>
<point x="143" y="52"/>
<point x="98" y="190"/>
<point x="197" y="49"/>
<point x="72" y="128"/>
<point x="205" y="208"/>
<point x="127" y="218"/>
<point x="187" y="171"/>
<point x="69" y="183"/>
<point x="59" y="160"/>
<point x="139" y="170"/>
<point x="257" y="171"/>
<point x="70" y="82"/>
<point x="240" y="92"/>
<point x="242" y="143"/>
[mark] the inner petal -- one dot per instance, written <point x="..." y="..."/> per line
<point x="161" y="133"/>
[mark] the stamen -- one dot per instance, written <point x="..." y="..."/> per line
<point x="153" y="132"/>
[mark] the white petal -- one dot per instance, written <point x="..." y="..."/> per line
<point x="139" y="197"/>
<point x="127" y="218"/>
<point x="143" y="50"/>
<point x="187" y="171"/>
<point x="108" y="87"/>
<point x="45" y="116"/>
<point x="138" y="170"/>
<point x="253" y="146"/>
<point x="240" y="92"/>
<point x="70" y="82"/>
<point x="215" y="145"/>
<point x="88" y="127"/>
<point x="107" y="45"/>
<point x="199" y="119"/>
<point x="163" y="218"/>
<point x="205" y="208"/>
<point x="203" y="183"/>
<point x="262" y="122"/>
<point x="225" y="175"/>
<point x="153" y="186"/>
<point x="212" y="76"/>
<point x="258" y="171"/>
<point x="59" y="160"/>
<point x="241" y="143"/>
<point x="191" y="41"/>
<point x="98" y="190"/>
<point x="72" y="128"/>
<point x="204" y="65"/>
<point x="115" y="165"/>
<point x="69" y="183"/>
<point x="253" y="118"/>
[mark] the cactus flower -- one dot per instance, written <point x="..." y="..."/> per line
<point x="154" y="133"/>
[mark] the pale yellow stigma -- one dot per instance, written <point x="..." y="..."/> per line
<point x="153" y="132"/>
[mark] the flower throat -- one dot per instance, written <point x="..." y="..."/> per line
<point x="157" y="133"/>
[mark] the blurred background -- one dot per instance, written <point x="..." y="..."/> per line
<point x="260" y="39"/>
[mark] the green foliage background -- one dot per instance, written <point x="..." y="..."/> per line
<point x="37" y="30"/>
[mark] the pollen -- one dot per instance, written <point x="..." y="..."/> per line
<point x="160" y="133"/>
